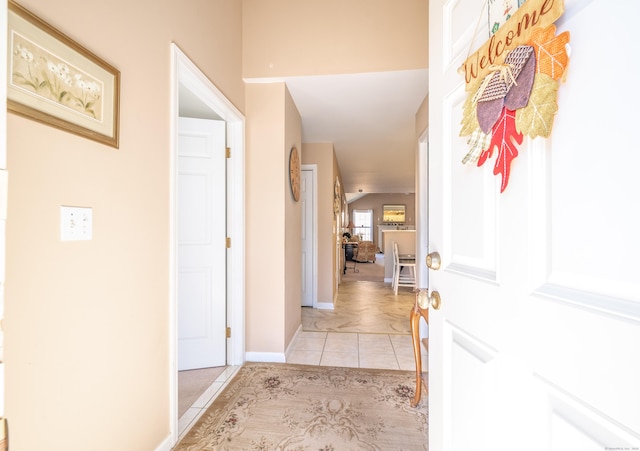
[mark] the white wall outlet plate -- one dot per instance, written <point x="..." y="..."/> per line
<point x="76" y="223"/>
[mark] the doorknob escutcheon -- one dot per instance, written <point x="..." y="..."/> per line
<point x="433" y="261"/>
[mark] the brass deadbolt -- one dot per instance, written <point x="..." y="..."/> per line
<point x="435" y="300"/>
<point x="433" y="261"/>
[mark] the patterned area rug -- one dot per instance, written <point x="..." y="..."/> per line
<point x="272" y="406"/>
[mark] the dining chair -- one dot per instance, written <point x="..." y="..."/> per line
<point x="400" y="278"/>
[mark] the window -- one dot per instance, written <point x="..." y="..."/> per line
<point x="363" y="221"/>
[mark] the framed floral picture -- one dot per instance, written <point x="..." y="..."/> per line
<point x="54" y="80"/>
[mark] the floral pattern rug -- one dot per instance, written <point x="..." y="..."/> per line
<point x="272" y="406"/>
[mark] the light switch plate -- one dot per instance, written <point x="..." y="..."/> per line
<point x="76" y="223"/>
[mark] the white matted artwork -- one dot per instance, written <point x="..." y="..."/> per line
<point x="54" y="80"/>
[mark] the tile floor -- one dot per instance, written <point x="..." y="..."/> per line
<point x="369" y="328"/>
<point x="354" y="350"/>
<point x="204" y="401"/>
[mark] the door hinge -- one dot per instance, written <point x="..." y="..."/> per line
<point x="228" y="152"/>
<point x="228" y="242"/>
<point x="228" y="332"/>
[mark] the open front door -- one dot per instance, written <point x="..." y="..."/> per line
<point x="535" y="344"/>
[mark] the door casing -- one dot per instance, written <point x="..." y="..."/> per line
<point x="186" y="74"/>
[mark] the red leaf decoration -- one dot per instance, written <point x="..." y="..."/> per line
<point x="504" y="134"/>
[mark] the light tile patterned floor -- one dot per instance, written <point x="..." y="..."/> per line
<point x="204" y="401"/>
<point x="354" y="350"/>
<point x="369" y="328"/>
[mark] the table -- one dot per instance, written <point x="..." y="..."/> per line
<point x="349" y="247"/>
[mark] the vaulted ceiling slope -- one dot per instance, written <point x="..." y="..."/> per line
<point x="370" y="119"/>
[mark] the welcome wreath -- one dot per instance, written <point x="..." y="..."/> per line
<point x="513" y="85"/>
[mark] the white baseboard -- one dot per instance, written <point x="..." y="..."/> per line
<point x="265" y="357"/>
<point x="165" y="445"/>
<point x="325" y="306"/>
<point x="293" y="340"/>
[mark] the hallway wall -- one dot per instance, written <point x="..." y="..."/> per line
<point x="86" y="323"/>
<point x="293" y="37"/>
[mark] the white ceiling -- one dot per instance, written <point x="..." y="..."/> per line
<point x="370" y="119"/>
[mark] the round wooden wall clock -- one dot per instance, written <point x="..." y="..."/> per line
<point x="294" y="173"/>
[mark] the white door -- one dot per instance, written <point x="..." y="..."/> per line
<point x="202" y="274"/>
<point x="307" y="197"/>
<point x="535" y="346"/>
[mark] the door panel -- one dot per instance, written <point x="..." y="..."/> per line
<point x="307" y="197"/>
<point x="532" y="347"/>
<point x="469" y="215"/>
<point x="201" y="244"/>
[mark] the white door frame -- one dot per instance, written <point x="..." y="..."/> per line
<point x="422" y="220"/>
<point x="313" y="168"/>
<point x="187" y="74"/>
<point x="3" y="183"/>
<point x="422" y="209"/>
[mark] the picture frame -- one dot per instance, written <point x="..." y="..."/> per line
<point x="393" y="214"/>
<point x="55" y="81"/>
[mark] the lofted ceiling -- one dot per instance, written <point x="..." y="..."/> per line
<point x="370" y="119"/>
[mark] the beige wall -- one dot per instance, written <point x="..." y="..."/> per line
<point x="273" y="273"/>
<point x="293" y="225"/>
<point x="266" y="184"/>
<point x="86" y="323"/>
<point x="422" y="118"/>
<point x="293" y="37"/>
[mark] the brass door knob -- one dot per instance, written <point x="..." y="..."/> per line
<point x="433" y="261"/>
<point x="435" y="300"/>
<point x="425" y="299"/>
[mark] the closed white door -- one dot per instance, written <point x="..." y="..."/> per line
<point x="535" y="346"/>
<point x="201" y="188"/>
<point x="307" y="198"/>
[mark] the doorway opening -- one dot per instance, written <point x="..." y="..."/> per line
<point x="192" y="91"/>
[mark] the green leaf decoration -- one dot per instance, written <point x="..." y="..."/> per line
<point x="469" y="120"/>
<point x="478" y="141"/>
<point x="536" y="119"/>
